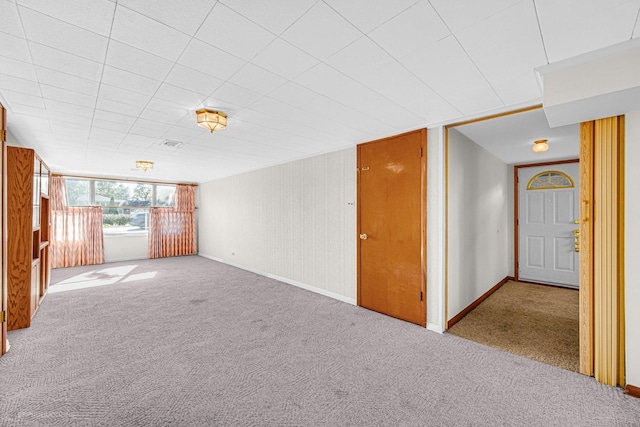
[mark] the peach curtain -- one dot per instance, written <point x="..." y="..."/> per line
<point x="76" y="231"/>
<point x="172" y="232"/>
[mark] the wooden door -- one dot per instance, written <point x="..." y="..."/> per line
<point x="391" y="226"/>
<point x="3" y="230"/>
<point x="548" y="210"/>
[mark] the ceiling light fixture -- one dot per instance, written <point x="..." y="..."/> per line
<point x="212" y="120"/>
<point x="144" y="165"/>
<point x="540" y="145"/>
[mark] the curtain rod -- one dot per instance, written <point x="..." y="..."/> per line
<point x="103" y="178"/>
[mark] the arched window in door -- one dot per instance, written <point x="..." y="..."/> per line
<point x="550" y="179"/>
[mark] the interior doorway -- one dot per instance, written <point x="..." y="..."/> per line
<point x="510" y="138"/>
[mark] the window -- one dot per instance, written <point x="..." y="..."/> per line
<point x="550" y="179"/>
<point x="125" y="205"/>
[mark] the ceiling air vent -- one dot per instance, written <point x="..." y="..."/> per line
<point x="172" y="144"/>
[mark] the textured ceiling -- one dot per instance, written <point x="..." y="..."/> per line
<point x="95" y="85"/>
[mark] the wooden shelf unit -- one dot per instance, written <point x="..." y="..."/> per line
<point x="28" y="222"/>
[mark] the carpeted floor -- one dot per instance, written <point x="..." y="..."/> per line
<point x="191" y="342"/>
<point x="535" y="321"/>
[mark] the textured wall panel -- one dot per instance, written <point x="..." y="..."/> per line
<point x="296" y="221"/>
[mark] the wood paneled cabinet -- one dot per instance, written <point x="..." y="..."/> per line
<point x="28" y="224"/>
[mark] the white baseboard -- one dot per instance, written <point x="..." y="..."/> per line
<point x="311" y="288"/>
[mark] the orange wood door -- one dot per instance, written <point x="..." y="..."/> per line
<point x="391" y="226"/>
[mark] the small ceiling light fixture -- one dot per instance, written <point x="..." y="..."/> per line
<point x="144" y="165"/>
<point x="540" y="145"/>
<point x="212" y="120"/>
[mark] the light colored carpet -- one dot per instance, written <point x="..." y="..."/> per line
<point x="535" y="321"/>
<point x="191" y="342"/>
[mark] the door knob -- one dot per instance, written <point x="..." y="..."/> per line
<point x="576" y="221"/>
<point x="363" y="236"/>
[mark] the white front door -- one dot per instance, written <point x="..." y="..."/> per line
<point x="548" y="207"/>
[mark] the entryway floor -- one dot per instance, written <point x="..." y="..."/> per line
<point x="535" y="321"/>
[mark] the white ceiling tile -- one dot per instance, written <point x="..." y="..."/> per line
<point x="132" y="111"/>
<point x="148" y="35"/>
<point x="23" y="70"/>
<point x="19" y="85"/>
<point x="69" y="118"/>
<point x="54" y="33"/>
<point x="235" y="94"/>
<point x="284" y="59"/>
<point x="335" y="32"/>
<point x="124" y="96"/>
<point x="108" y="125"/>
<point x="274" y="15"/>
<point x="232" y="32"/>
<point x="294" y="94"/>
<point x="139" y="140"/>
<point x="67" y="81"/>
<point x="20" y="109"/>
<point x="270" y="106"/>
<point x="113" y="138"/>
<point x="137" y="61"/>
<point x="96" y="18"/>
<point x="13" y="97"/>
<point x="163" y="111"/>
<point x="146" y="131"/>
<point x="9" y="18"/>
<point x="58" y="60"/>
<point x="57" y="94"/>
<point x="574" y="27"/>
<point x="129" y="81"/>
<point x="257" y="79"/>
<point x="475" y="99"/>
<point x="451" y="75"/>
<point x="152" y="124"/>
<point x="518" y="89"/>
<point x="459" y="15"/>
<point x="410" y="31"/>
<point x="180" y="97"/>
<point x="399" y="85"/>
<point x="507" y="43"/>
<point x="64" y="107"/>
<point x="14" y="47"/>
<point x="369" y="14"/>
<point x="359" y="58"/>
<point x="114" y="116"/>
<point x="210" y="60"/>
<point x="193" y="80"/>
<point x="183" y="15"/>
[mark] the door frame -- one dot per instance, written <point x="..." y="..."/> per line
<point x="3" y="230"/>
<point x="586" y="265"/>
<point x="423" y="220"/>
<point x="516" y="210"/>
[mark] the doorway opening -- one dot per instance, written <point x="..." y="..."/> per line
<point x="486" y="302"/>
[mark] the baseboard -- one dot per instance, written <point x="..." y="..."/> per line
<point x="477" y="302"/>
<point x="632" y="390"/>
<point x="295" y="283"/>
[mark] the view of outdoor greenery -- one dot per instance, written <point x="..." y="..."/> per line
<point x="125" y="204"/>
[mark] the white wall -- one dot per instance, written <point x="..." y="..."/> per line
<point x="295" y="222"/>
<point x="126" y="247"/>
<point x="632" y="247"/>
<point x="435" y="229"/>
<point x="478" y="222"/>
